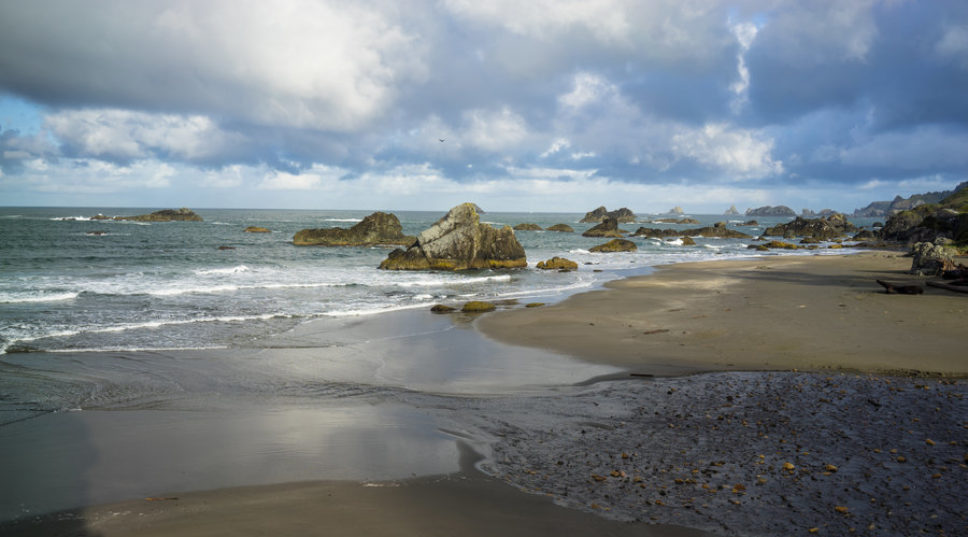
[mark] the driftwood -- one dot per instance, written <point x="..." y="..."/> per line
<point x="950" y="287"/>
<point x="891" y="288"/>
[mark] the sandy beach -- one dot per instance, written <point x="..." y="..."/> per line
<point x="768" y="313"/>
<point x="707" y="431"/>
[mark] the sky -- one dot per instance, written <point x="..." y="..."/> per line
<point x="538" y="105"/>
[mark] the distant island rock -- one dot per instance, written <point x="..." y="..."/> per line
<point x="687" y="221"/>
<point x="826" y="228"/>
<point x="608" y="228"/>
<point x="615" y="245"/>
<point x="458" y="241"/>
<point x="376" y="229"/>
<point x="164" y="215"/>
<point x="561" y="228"/>
<point x="676" y="210"/>
<point x="527" y="227"/>
<point x="622" y="215"/>
<point x="807" y="213"/>
<point x="731" y="211"/>
<point x="257" y="229"/>
<point x="769" y="210"/>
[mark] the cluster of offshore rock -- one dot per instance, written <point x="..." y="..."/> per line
<point x="165" y="215"/>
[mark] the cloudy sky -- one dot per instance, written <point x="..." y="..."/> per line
<point x="542" y="105"/>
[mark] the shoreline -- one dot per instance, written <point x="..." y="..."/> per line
<point x="750" y="315"/>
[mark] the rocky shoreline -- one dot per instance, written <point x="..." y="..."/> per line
<point x="747" y="453"/>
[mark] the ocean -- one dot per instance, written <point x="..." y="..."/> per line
<point x="72" y="284"/>
<point x="147" y="357"/>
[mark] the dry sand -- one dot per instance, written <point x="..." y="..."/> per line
<point x="784" y="312"/>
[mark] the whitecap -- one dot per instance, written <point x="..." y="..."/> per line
<point x="232" y="270"/>
<point x="342" y="219"/>
<point x="54" y="297"/>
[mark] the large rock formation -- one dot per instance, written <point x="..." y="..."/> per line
<point x="458" y="241"/>
<point x="768" y="210"/>
<point x="608" y="228"/>
<point x="601" y="213"/>
<point x="164" y="215"/>
<point x="898" y="204"/>
<point x="376" y="229"/>
<point x="615" y="245"/>
<point x="931" y="259"/>
<point x="826" y="228"/>
<point x="947" y="219"/>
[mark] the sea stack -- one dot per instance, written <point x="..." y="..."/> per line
<point x="458" y="241"/>
<point x="376" y="229"/>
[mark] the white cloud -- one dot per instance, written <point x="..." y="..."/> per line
<point x="745" y="34"/>
<point x="588" y="89"/>
<point x="317" y="177"/>
<point x="124" y="134"/>
<point x="737" y="152"/>
<point x="493" y="130"/>
<point x="91" y="176"/>
<point x="544" y="19"/>
<point x="556" y="146"/>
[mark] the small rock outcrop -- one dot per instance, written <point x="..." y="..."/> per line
<point x="769" y="210"/>
<point x="442" y="308"/>
<point x="676" y="210"/>
<point x="687" y="241"/>
<point x="826" y="228"/>
<point x="164" y="215"/>
<point x="622" y="215"/>
<point x="719" y="230"/>
<point x="562" y="228"/>
<point x="558" y="263"/>
<point x="257" y="229"/>
<point x="931" y="259"/>
<point x="615" y="245"/>
<point x="608" y="228"/>
<point x="376" y="229"/>
<point x="527" y="227"/>
<point x="864" y="235"/>
<point x="458" y="241"/>
<point x="477" y="306"/>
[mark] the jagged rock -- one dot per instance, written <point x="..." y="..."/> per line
<point x="600" y="214"/>
<point x="558" y="263"/>
<point x="731" y="211"/>
<point x="687" y="241"/>
<point x="165" y="215"/>
<point x="615" y="245"/>
<point x="476" y="306"/>
<point x="930" y="258"/>
<point x="527" y="227"/>
<point x="769" y="210"/>
<point x="458" y="241"/>
<point x="376" y="229"/>
<point x="257" y="229"/>
<point x="608" y="228"/>
<point x="563" y="228"/>
<point x="826" y="228"/>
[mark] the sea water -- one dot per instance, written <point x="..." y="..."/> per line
<point x="72" y="284"/>
<point x="139" y="359"/>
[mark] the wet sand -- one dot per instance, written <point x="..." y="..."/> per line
<point x="769" y="313"/>
<point x="624" y="454"/>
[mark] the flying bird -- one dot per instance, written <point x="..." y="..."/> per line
<point x="442" y="139"/>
